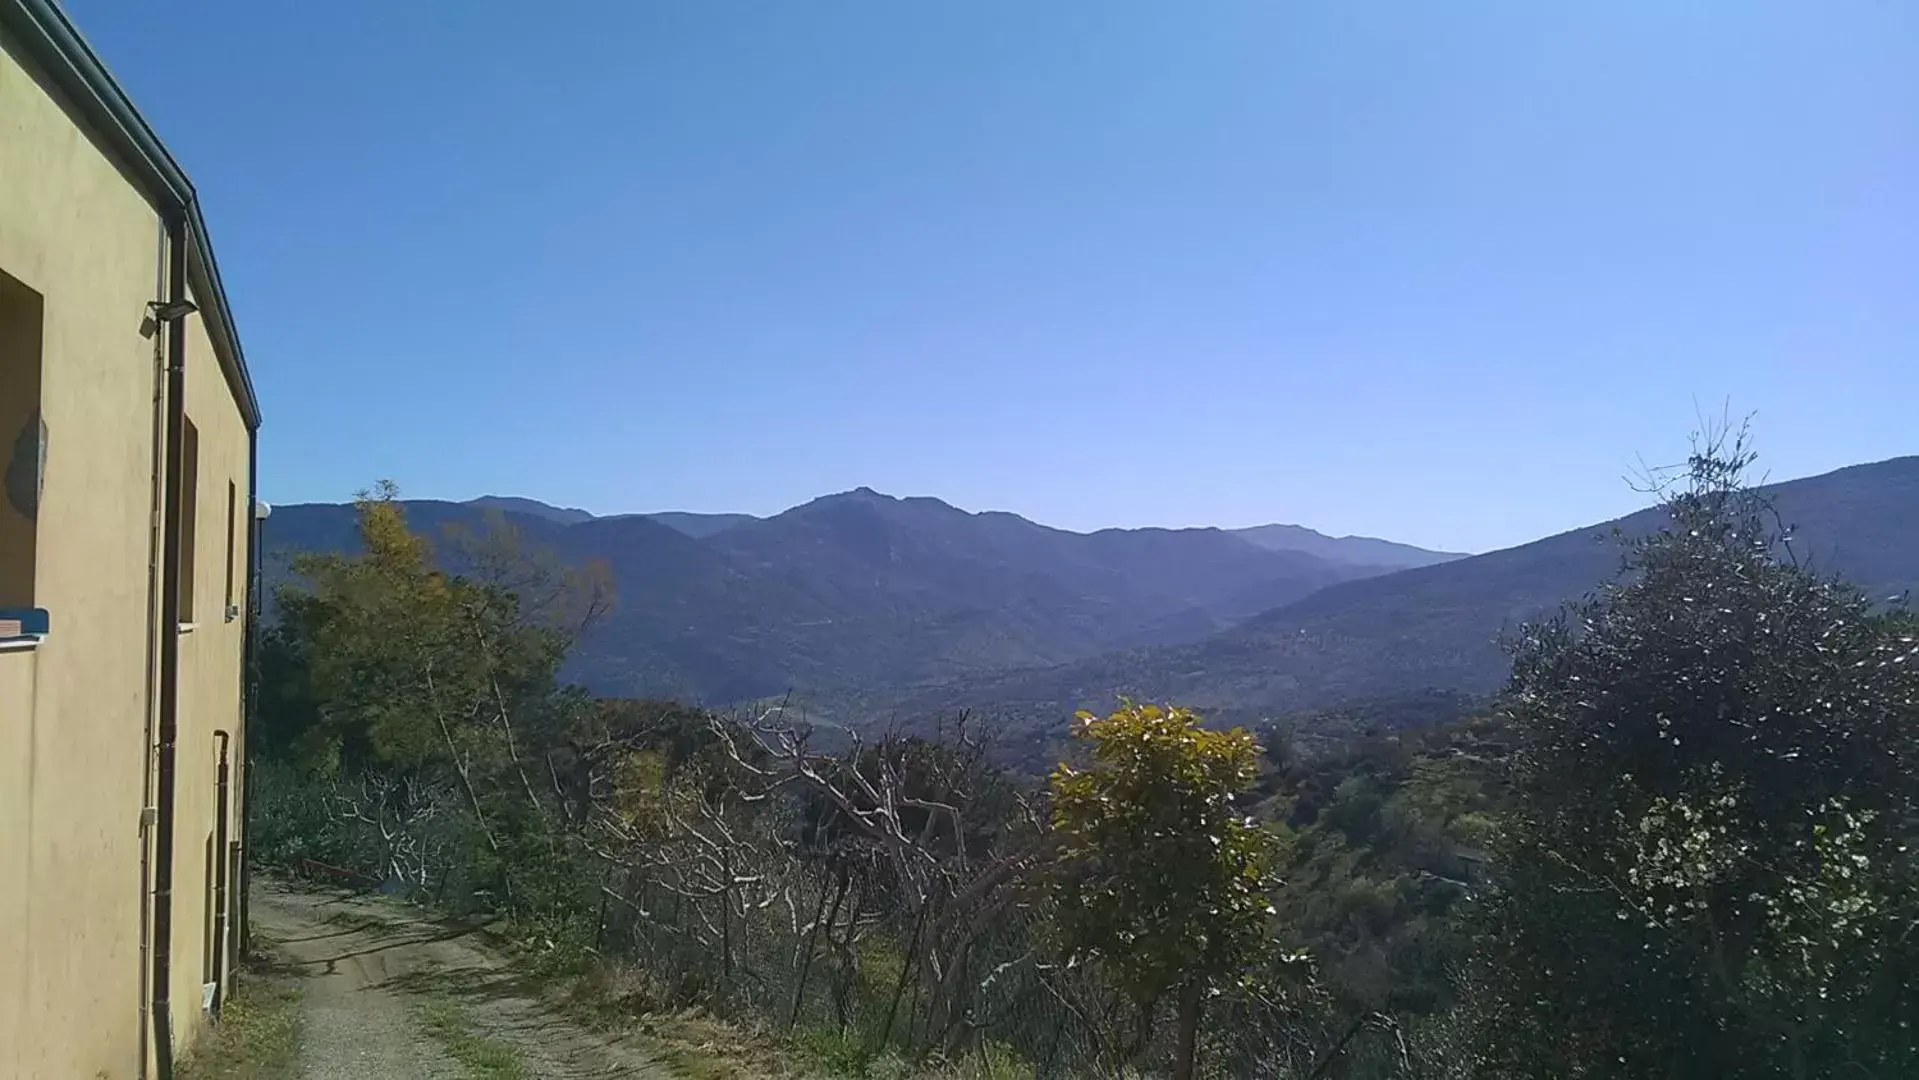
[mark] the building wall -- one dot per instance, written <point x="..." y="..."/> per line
<point x="210" y="670"/>
<point x="74" y="710"/>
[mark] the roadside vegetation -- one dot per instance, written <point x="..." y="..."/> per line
<point x="484" y="1058"/>
<point x="1679" y="844"/>
<point x="258" y="1036"/>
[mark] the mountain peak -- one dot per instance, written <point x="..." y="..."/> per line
<point x="514" y="504"/>
<point x="857" y="496"/>
<point x="867" y="495"/>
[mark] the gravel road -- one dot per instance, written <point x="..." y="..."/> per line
<point x="370" y="966"/>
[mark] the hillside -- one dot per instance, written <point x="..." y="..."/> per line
<point x="864" y="589"/>
<point x="1353" y="550"/>
<point x="1363" y="551"/>
<point x="513" y="504"/>
<point x="873" y="607"/>
<point x="1435" y="627"/>
<point x="700" y="526"/>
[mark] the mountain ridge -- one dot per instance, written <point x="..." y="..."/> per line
<point x="1356" y="548"/>
<point x="863" y="588"/>
<point x="1437" y="627"/>
<point x="565" y="515"/>
<point x="873" y="607"/>
<point x="1350" y="549"/>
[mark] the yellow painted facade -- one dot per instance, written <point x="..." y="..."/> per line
<point x="83" y="247"/>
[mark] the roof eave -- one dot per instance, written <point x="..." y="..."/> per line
<point x="55" y="44"/>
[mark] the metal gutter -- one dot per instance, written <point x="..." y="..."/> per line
<point x="53" y="43"/>
<point x="203" y="273"/>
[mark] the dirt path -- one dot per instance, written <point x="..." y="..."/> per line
<point x="388" y="994"/>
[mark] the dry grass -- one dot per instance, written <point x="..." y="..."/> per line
<point x="259" y="1032"/>
<point x="484" y="1058"/>
<point x="621" y="998"/>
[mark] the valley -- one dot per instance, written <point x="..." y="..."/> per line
<point x="1373" y="833"/>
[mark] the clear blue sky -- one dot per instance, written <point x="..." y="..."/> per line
<point x="1434" y="272"/>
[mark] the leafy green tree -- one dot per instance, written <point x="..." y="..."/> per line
<point x="390" y="674"/>
<point x="1166" y="882"/>
<point x="1383" y="840"/>
<point x="1708" y="869"/>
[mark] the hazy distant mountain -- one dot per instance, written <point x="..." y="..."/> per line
<point x="700" y="525"/>
<point x="1352" y="550"/>
<point x="1436" y="626"/>
<point x="864" y="589"/>
<point x="875" y="607"/>
<point x="532" y="508"/>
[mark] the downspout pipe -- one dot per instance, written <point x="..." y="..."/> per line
<point x="156" y="499"/>
<point x="169" y="725"/>
<point x="221" y="921"/>
<point x="251" y="700"/>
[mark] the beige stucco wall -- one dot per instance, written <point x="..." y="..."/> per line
<point x="73" y="711"/>
<point x="210" y="668"/>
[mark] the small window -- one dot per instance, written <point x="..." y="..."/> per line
<point x="233" y="496"/>
<point x="23" y="440"/>
<point x="189" y="511"/>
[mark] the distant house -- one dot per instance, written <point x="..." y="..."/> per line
<point x="127" y="425"/>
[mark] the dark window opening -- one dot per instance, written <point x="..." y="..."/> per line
<point x="233" y="495"/>
<point x="23" y="440"/>
<point x="189" y="511"/>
